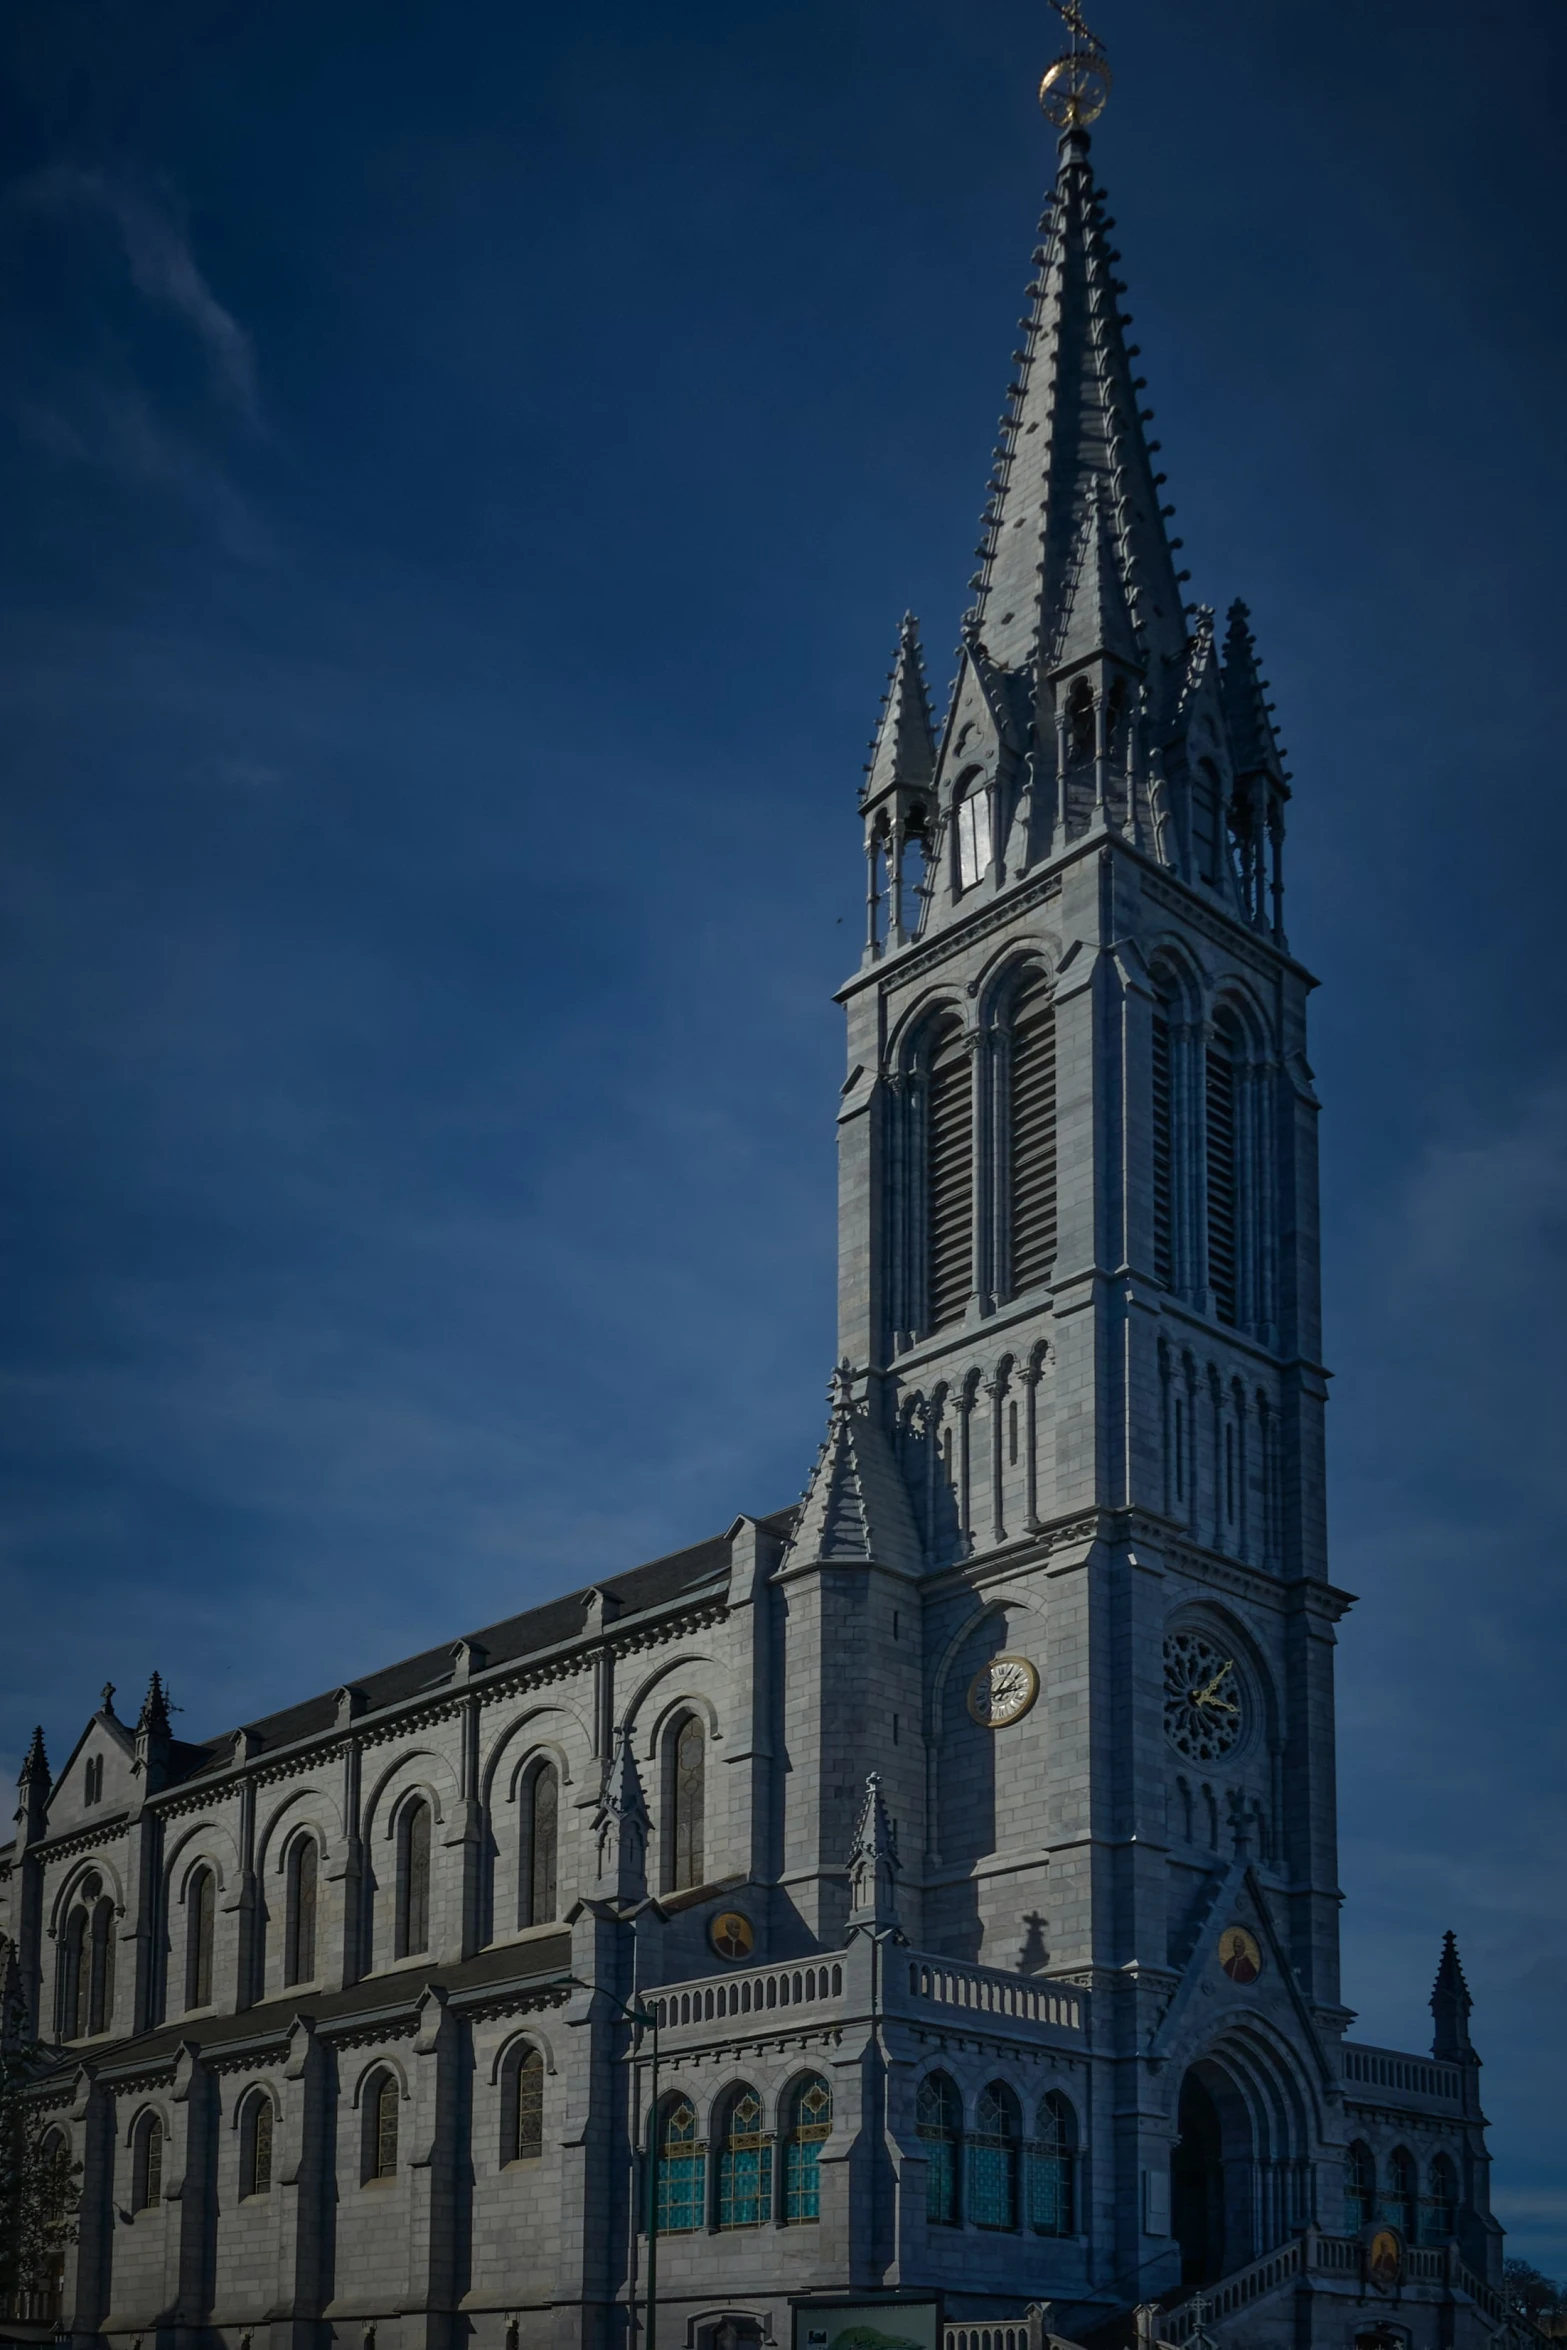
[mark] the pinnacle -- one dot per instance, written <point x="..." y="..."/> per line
<point x="1247" y="710"/>
<point x="903" y="755"/>
<point x="36" y="1762"/>
<point x="154" y="1716"/>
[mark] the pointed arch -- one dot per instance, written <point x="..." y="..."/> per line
<point x="807" y="2124"/>
<point x="938" y="2121"/>
<point x="1052" y="2167"/>
<point x="745" y="2160"/>
<point x="302" y="1880"/>
<point x="683" y="1801"/>
<point x="994" y="2155"/>
<point x="681" y="2158"/>
<point x="538" y="1822"/>
<point x="415" y="1827"/>
<point x="932" y="1112"/>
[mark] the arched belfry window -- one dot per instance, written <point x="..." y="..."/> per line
<point x="303" y="1875"/>
<point x="540" y="1844"/>
<point x="1030" y="1132"/>
<point x="201" y="1903"/>
<point x="685" y="1802"/>
<point x="1163" y="1125"/>
<point x="413" y="1879"/>
<point x="1222" y="1095"/>
<point x="949" y="1177"/>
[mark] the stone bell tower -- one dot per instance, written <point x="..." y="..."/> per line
<point x="1078" y="1286"/>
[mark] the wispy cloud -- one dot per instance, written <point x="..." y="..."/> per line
<point x="163" y="268"/>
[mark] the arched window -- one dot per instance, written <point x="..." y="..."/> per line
<point x="413" y="1880"/>
<point x="810" y="2120"/>
<point x="745" y="2164"/>
<point x="382" y="2098"/>
<point x="682" y="2170"/>
<point x="939" y="2120"/>
<point x="541" y="1841"/>
<point x="972" y="818"/>
<point x="1031" y="1132"/>
<point x="687" y="1769"/>
<point x="299" y="1952"/>
<point x="92" y="1780"/>
<point x="1206" y="798"/>
<point x="526" y="2136"/>
<point x="1401" y="2202"/>
<point x="1222" y="1089"/>
<point x="100" y="1958"/>
<point x="1441" y="2214"/>
<point x="1163" y="1147"/>
<point x="147" y="2164"/>
<point x="73" y="1977"/>
<point x="255" y="2144"/>
<point x="949" y="1178"/>
<point x="1052" y="2169"/>
<point x="201" y="1906"/>
<point x="993" y="2158"/>
<point x="1081" y="730"/>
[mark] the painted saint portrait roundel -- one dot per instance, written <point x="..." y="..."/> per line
<point x="732" y="1934"/>
<point x="1385" y="2257"/>
<point x="1240" y="1954"/>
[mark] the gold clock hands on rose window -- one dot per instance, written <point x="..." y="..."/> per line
<point x="1210" y="1695"/>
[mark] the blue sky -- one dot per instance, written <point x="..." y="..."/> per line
<point x="464" y="470"/>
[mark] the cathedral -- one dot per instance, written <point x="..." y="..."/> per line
<point x="908" y="1920"/>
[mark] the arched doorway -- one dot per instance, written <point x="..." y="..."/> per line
<point x="1210" y="2176"/>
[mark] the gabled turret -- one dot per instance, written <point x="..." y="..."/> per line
<point x="897" y="803"/>
<point x="1261" y="782"/>
<point x="856" y="1509"/>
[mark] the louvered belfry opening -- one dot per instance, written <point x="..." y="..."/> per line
<point x="1221" y="1176"/>
<point x="1031" y="1135"/>
<point x="949" y="1177"/>
<point x="1163" y="1156"/>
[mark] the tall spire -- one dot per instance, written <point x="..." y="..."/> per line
<point x="1072" y="435"/>
<point x="1450" y="2006"/>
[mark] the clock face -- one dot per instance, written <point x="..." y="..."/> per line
<point x="1204" y="1697"/>
<point x="1003" y="1691"/>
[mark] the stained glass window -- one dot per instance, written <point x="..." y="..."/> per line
<point x="543" y="1843"/>
<point x="745" y="2166"/>
<point x="810" y="2121"/>
<point x="682" y="2171"/>
<point x="1360" y="2186"/>
<point x="1051" y="2166"/>
<point x="530" y="2107"/>
<point x="303" y="1875"/>
<point x="383" y="2154"/>
<point x="939" y="2119"/>
<point x="993" y="2159"/>
<point x="690" y="1762"/>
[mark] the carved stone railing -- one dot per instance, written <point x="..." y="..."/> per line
<point x="988" y="1991"/>
<point x="814" y="1983"/>
<point x="1316" y="2254"/>
<point x="1405" y="2076"/>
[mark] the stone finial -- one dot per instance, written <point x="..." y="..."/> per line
<point x="106" y="1700"/>
<point x="1451" y="2006"/>
<point x="33" y="1786"/>
<point x="620" y="1827"/>
<point x="873" y="1865"/>
<point x="153" y="1720"/>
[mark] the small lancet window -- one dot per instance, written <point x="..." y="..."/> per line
<point x="973" y="826"/>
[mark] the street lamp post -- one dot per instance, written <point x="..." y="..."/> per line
<point x="645" y="2018"/>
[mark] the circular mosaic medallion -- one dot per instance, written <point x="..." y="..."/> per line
<point x="732" y="1934"/>
<point x="1240" y="1954"/>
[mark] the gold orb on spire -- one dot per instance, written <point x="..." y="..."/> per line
<point x="1077" y="83"/>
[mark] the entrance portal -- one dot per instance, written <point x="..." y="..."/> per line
<point x="1197" y="2185"/>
